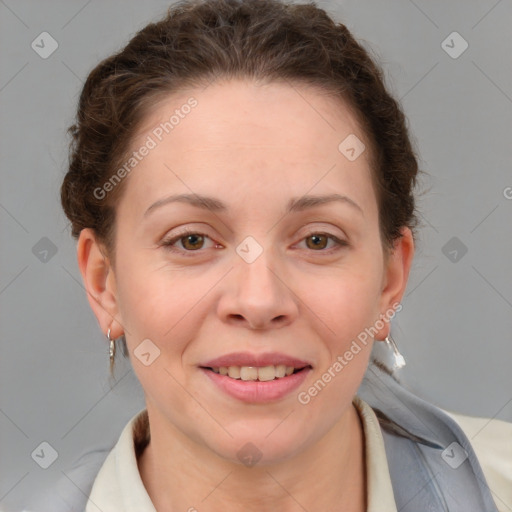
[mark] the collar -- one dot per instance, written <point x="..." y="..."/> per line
<point x="119" y="484"/>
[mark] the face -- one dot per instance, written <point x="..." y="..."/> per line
<point x="243" y="272"/>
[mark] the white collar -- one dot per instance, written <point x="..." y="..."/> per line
<point x="118" y="484"/>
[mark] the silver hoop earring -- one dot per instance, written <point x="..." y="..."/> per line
<point x="399" y="360"/>
<point x="112" y="348"/>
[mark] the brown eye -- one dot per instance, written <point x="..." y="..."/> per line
<point x="318" y="241"/>
<point x="186" y="242"/>
<point x="192" y="242"/>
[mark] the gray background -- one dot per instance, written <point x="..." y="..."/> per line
<point x="455" y="329"/>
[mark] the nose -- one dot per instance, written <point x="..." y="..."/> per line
<point x="258" y="295"/>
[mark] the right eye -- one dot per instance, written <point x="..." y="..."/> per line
<point x="191" y="241"/>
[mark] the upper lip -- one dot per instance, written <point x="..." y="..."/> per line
<point x="248" y="359"/>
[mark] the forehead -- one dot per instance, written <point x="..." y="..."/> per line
<point x="238" y="107"/>
<point x="248" y="135"/>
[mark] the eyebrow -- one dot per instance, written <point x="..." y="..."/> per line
<point x="295" y="204"/>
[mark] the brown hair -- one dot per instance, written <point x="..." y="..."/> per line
<point x="200" y="41"/>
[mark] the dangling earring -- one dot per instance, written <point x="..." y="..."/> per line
<point x="399" y="361"/>
<point x="112" y="348"/>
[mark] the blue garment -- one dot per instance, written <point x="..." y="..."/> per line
<point x="422" y="459"/>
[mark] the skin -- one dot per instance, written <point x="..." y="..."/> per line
<point x="253" y="147"/>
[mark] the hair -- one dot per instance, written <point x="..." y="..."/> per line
<point x="199" y="42"/>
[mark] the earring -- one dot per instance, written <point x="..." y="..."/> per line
<point x="399" y="358"/>
<point x="112" y="348"/>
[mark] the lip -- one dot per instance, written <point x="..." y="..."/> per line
<point x="256" y="391"/>
<point x="248" y="359"/>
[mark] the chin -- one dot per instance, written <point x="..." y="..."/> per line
<point x="260" y="448"/>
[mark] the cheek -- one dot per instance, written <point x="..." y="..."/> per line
<point x="167" y="306"/>
<point x="153" y="298"/>
<point x="345" y="301"/>
<point x="348" y="308"/>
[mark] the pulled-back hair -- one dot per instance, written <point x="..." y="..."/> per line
<point x="198" y="42"/>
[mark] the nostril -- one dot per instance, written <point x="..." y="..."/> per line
<point x="237" y="317"/>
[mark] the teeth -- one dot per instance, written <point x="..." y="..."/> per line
<point x="281" y="370"/>
<point x="266" y="373"/>
<point x="234" y="372"/>
<point x="261" y="373"/>
<point x="248" y="372"/>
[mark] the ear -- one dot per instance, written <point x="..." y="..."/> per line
<point x="396" y="275"/>
<point x="100" y="283"/>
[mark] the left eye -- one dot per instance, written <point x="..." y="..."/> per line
<point x="320" y="240"/>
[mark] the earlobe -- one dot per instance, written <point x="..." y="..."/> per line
<point x="396" y="275"/>
<point x="99" y="281"/>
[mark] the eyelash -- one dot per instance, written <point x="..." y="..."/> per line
<point x="169" y="242"/>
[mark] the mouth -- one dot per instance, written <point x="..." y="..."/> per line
<point x="262" y="378"/>
<point x="257" y="373"/>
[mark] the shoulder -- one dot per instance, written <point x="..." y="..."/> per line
<point x="492" y="441"/>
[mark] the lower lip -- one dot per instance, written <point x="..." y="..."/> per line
<point x="253" y="391"/>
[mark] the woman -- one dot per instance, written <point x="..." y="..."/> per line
<point x="241" y="185"/>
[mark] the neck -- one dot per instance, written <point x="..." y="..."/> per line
<point x="329" y="475"/>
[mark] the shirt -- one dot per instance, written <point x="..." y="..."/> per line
<point x="118" y="485"/>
